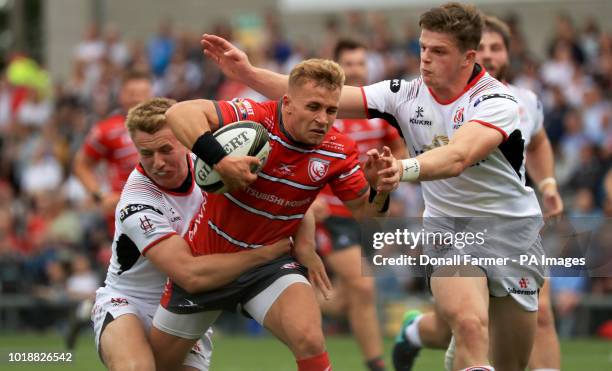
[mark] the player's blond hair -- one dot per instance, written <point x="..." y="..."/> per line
<point x="323" y="72"/>
<point x="148" y="116"/>
<point x="463" y="21"/>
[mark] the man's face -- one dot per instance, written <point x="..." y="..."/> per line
<point x="162" y="157"/>
<point x="309" y="111"/>
<point x="441" y="59"/>
<point x="492" y="54"/>
<point x="133" y="92"/>
<point x="354" y="64"/>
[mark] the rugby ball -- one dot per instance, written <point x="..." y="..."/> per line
<point x="243" y="138"/>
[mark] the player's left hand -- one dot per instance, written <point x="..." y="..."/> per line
<point x="552" y="202"/>
<point x="317" y="275"/>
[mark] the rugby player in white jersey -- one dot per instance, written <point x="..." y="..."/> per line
<point x="158" y="201"/>
<point x="461" y="126"/>
<point x="427" y="330"/>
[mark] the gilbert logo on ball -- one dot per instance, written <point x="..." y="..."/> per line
<point x="243" y="138"/>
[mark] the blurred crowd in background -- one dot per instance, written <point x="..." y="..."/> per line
<point x="54" y="244"/>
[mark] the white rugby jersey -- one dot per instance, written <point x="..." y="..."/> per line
<point x="531" y="115"/>
<point x="145" y="215"/>
<point x="530" y="112"/>
<point x="493" y="186"/>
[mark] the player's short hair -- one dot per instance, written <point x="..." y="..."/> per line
<point x="132" y="75"/>
<point x="463" y="21"/>
<point x="494" y="24"/>
<point x="346" y="44"/>
<point x="148" y="116"/>
<point x="323" y="72"/>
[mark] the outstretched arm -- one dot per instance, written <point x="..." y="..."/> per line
<point x="235" y="64"/>
<point x="472" y="142"/>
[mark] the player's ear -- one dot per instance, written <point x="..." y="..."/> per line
<point x="470" y="57"/>
<point x="286" y="101"/>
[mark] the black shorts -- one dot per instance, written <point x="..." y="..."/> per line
<point x="337" y="233"/>
<point x="233" y="295"/>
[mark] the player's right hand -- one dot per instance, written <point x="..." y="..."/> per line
<point x="237" y="171"/>
<point x="232" y="61"/>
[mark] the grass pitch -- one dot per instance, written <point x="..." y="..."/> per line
<point x="265" y="353"/>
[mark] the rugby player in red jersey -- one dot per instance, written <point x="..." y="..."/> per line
<point x="338" y="233"/>
<point x="306" y="155"/>
<point x="109" y="141"/>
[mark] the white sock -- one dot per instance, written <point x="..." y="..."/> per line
<point x="479" y="368"/>
<point x="412" y="332"/>
<point x="449" y="355"/>
<point x="545" y="369"/>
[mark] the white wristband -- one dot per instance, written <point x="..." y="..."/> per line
<point x="546" y="181"/>
<point x="411" y="169"/>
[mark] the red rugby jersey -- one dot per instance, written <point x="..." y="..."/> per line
<point x="368" y="134"/>
<point x="272" y="207"/>
<point x="109" y="140"/>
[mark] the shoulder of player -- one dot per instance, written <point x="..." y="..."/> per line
<point x="140" y="196"/>
<point x="139" y="188"/>
<point x="404" y="90"/>
<point x="489" y="88"/>
<point x="524" y="95"/>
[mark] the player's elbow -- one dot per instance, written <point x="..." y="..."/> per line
<point x="176" y="111"/>
<point x="459" y="161"/>
<point x="185" y="278"/>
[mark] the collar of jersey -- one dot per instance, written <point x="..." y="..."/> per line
<point x="477" y="74"/>
<point x="172" y="191"/>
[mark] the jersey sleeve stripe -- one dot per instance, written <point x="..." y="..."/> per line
<point x="365" y="102"/>
<point x="219" y="114"/>
<point x="218" y="231"/>
<point x="351" y="172"/>
<point x="236" y="113"/>
<point x="287" y="182"/>
<point x="260" y="212"/>
<point x="492" y="127"/>
<point x="144" y="251"/>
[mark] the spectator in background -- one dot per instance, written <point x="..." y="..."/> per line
<point x="596" y="115"/>
<point x="91" y="48"/>
<point x="114" y="48"/>
<point x="566" y="293"/>
<point x="559" y="69"/>
<point x="565" y="32"/>
<point x="35" y="111"/>
<point x="161" y="47"/>
<point x="182" y="77"/>
<point x="42" y="172"/>
<point x="81" y="288"/>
